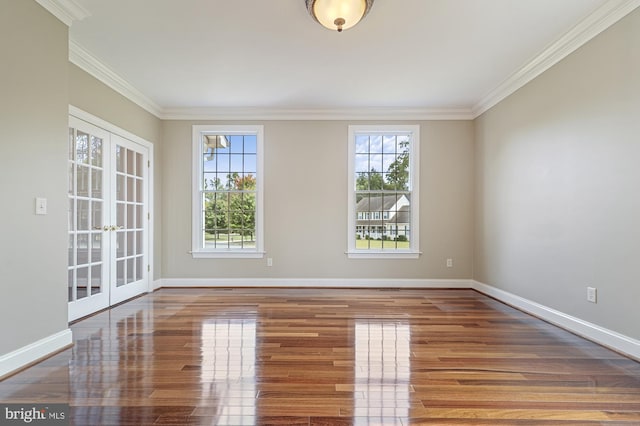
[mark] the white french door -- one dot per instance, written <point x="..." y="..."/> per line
<point x="129" y="269"/>
<point x="108" y="219"/>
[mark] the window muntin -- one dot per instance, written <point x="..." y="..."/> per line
<point x="228" y="191"/>
<point x="383" y="199"/>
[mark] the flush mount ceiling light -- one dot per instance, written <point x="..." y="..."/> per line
<point x="338" y="14"/>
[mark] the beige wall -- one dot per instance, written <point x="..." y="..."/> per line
<point x="94" y="97"/>
<point x="305" y="205"/>
<point x="91" y="95"/>
<point x="558" y="184"/>
<point x="33" y="163"/>
<point x="537" y="197"/>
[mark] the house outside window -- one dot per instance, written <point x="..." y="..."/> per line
<point x="227" y="191"/>
<point x="383" y="191"/>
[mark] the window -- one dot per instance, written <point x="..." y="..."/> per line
<point x="383" y="191"/>
<point x="227" y="191"/>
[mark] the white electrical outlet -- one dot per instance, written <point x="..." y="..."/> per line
<point x="449" y="263"/>
<point x="592" y="294"/>
<point x="269" y="261"/>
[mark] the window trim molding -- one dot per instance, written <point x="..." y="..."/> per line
<point x="197" y="247"/>
<point x="413" y="252"/>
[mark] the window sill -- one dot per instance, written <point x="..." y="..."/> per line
<point x="227" y="254"/>
<point x="372" y="254"/>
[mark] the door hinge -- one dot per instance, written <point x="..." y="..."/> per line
<point x="148" y="163"/>
<point x="148" y="268"/>
<point x="148" y="216"/>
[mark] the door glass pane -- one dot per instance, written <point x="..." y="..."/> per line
<point x="131" y="191"/>
<point x="96" y="248"/>
<point x="139" y="242"/>
<point x="70" y="274"/>
<point x="131" y="215"/>
<point x="131" y="240"/>
<point x="120" y="247"/>
<point x="120" y="188"/>
<point x="130" y="269"/>
<point x="72" y="250"/>
<point x="82" y="181"/>
<point x="96" y="183"/>
<point x="82" y="282"/>
<point x="82" y="249"/>
<point x="139" y="216"/>
<point x="96" y="279"/>
<point x="138" y="268"/>
<point x="96" y="151"/>
<point x="120" y="214"/>
<point x="139" y="193"/>
<point x="83" y="215"/>
<point x="138" y="164"/>
<point x="82" y="148"/>
<point x="96" y="215"/>
<point x="72" y="215"/>
<point x="131" y="158"/>
<point x="121" y="158"/>
<point x="71" y="178"/>
<point x="120" y="265"/>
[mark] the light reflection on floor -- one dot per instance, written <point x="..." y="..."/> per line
<point x="323" y="357"/>
<point x="228" y="369"/>
<point x="382" y="371"/>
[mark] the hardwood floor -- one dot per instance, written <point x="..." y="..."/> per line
<point x="329" y="357"/>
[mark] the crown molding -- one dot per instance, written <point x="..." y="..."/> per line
<point x="378" y="113"/>
<point x="601" y="19"/>
<point x="65" y="10"/>
<point x="89" y="63"/>
<point x="81" y="57"/>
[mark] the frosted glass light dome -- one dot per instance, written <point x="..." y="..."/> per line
<point x="338" y="14"/>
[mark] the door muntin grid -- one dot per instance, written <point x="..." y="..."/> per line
<point x="86" y="248"/>
<point x="107" y="260"/>
<point x="130" y="215"/>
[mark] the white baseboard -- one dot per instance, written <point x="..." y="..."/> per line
<point x="593" y="332"/>
<point x="26" y="355"/>
<point x="156" y="285"/>
<point x="311" y="282"/>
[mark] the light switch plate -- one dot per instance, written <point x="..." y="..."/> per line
<point x="41" y="205"/>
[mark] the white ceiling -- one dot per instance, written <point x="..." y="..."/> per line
<point x="459" y="56"/>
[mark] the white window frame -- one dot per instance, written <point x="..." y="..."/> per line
<point x="198" y="250"/>
<point x="413" y="252"/>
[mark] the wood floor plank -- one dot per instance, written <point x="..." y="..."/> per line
<point x="329" y="357"/>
